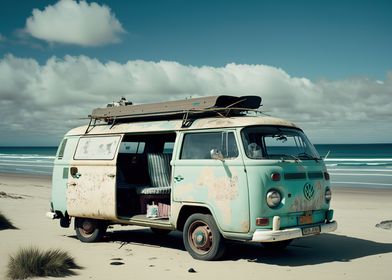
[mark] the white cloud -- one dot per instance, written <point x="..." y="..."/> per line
<point x="47" y="100"/>
<point x="72" y="22"/>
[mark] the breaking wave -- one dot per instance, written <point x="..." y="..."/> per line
<point x="25" y="156"/>
<point x="373" y="162"/>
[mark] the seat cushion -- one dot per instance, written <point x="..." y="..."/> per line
<point x="159" y="169"/>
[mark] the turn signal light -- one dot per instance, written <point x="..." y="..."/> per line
<point x="326" y="176"/>
<point x="275" y="177"/>
<point x="262" y="221"/>
<point x="328" y="195"/>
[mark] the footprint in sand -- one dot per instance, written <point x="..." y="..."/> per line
<point x="116" y="263"/>
<point x="385" y="224"/>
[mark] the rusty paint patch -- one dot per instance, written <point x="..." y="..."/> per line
<point x="183" y="189"/>
<point x="245" y="226"/>
<point x="93" y="194"/>
<point x="302" y="204"/>
<point x="221" y="190"/>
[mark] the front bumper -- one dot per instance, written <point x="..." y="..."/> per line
<point x="262" y="235"/>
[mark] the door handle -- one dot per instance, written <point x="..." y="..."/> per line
<point x="178" y="178"/>
<point x="111" y="175"/>
<point x="75" y="173"/>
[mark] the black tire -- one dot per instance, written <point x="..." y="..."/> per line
<point x="89" y="230"/>
<point x="202" y="238"/>
<point x="160" y="231"/>
<point x="278" y="245"/>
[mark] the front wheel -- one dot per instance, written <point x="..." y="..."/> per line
<point x="202" y="238"/>
<point x="89" y="230"/>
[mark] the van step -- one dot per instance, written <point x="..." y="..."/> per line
<point x="142" y="220"/>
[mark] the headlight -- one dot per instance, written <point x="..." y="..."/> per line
<point x="273" y="198"/>
<point x="328" y="195"/>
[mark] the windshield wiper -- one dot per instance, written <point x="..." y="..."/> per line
<point x="306" y="155"/>
<point x="289" y="156"/>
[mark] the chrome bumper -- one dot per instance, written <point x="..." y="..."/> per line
<point x="261" y="235"/>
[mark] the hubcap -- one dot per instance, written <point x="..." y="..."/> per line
<point x="88" y="226"/>
<point x="200" y="237"/>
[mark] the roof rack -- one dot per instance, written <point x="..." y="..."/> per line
<point x="187" y="110"/>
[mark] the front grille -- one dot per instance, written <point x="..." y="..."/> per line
<point x="315" y="175"/>
<point x="295" y="176"/>
<point x="302" y="175"/>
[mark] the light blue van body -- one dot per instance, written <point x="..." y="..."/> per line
<point x="255" y="188"/>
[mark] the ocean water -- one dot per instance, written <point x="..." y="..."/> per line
<point x="359" y="165"/>
<point x="28" y="160"/>
<point x="350" y="165"/>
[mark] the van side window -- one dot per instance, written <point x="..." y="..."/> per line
<point x="199" y="145"/>
<point x="60" y="153"/>
<point x="97" y="148"/>
<point x="168" y="148"/>
<point x="132" y="147"/>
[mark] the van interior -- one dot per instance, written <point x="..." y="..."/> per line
<point x="144" y="174"/>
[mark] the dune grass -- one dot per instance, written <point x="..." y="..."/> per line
<point x="5" y="223"/>
<point x="33" y="262"/>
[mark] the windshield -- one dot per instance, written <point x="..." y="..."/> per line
<point x="269" y="142"/>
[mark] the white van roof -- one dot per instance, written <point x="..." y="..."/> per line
<point x="177" y="125"/>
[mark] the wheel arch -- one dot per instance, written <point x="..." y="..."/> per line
<point x="188" y="210"/>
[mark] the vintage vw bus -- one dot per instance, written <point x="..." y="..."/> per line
<point x="209" y="167"/>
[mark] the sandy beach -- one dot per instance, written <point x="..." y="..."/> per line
<point x="357" y="250"/>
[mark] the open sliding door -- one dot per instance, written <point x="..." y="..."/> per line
<point x="91" y="189"/>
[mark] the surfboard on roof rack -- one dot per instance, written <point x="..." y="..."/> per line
<point x="223" y="105"/>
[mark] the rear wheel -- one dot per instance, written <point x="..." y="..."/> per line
<point x="202" y="238"/>
<point x="278" y="245"/>
<point x="89" y="230"/>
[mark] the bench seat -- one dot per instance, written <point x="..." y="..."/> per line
<point x="159" y="171"/>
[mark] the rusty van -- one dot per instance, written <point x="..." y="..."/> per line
<point x="211" y="167"/>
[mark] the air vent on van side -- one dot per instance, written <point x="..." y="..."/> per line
<point x="295" y="176"/>
<point x="315" y="175"/>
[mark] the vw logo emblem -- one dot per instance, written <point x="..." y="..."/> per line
<point x="308" y="191"/>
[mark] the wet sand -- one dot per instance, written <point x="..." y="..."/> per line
<point x="357" y="250"/>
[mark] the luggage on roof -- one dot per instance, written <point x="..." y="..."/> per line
<point x="202" y="106"/>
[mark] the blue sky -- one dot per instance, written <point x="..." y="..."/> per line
<point x="329" y="50"/>
<point x="314" y="39"/>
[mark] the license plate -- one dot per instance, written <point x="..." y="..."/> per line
<point x="311" y="230"/>
<point x="303" y="220"/>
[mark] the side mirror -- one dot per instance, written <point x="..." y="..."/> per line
<point x="217" y="155"/>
